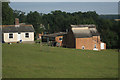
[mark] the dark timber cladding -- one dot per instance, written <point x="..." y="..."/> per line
<point x="69" y="40"/>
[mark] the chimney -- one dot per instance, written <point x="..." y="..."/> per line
<point x="16" y="22"/>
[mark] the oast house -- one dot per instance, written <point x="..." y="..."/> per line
<point x="83" y="37"/>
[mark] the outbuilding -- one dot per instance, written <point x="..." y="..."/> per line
<point x="55" y="38"/>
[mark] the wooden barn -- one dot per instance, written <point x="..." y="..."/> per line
<point x="83" y="37"/>
<point x="55" y="38"/>
<point x="17" y="32"/>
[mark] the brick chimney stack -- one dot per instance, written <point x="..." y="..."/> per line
<point x="16" y="21"/>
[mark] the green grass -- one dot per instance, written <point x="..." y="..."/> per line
<point x="35" y="61"/>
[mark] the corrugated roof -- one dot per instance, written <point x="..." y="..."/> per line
<point x="94" y="31"/>
<point x="80" y="31"/>
<point x="86" y="25"/>
<point x="55" y="34"/>
<point x="20" y="28"/>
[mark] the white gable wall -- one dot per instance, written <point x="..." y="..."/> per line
<point x="31" y="36"/>
<point x="16" y="38"/>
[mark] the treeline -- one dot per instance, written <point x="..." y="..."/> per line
<point x="59" y="21"/>
<point x="109" y="16"/>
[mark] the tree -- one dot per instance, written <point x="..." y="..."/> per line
<point x="21" y="15"/>
<point x="34" y="18"/>
<point x="7" y="14"/>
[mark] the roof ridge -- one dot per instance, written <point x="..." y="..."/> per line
<point x="7" y="25"/>
<point x="13" y="25"/>
<point x="83" y="25"/>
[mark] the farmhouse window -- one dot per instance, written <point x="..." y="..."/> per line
<point x="60" y="39"/>
<point x="27" y="35"/>
<point x="10" y="35"/>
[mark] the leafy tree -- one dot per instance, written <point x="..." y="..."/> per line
<point x="7" y="14"/>
<point x="21" y="15"/>
<point x="34" y="18"/>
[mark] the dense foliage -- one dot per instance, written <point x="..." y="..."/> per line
<point x="58" y="21"/>
<point x="7" y="14"/>
<point x="109" y="16"/>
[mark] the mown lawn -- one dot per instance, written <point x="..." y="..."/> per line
<point x="35" y="61"/>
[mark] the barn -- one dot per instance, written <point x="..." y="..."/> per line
<point x="17" y="33"/>
<point x="83" y="37"/>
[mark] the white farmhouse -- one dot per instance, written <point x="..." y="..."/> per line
<point x="17" y="32"/>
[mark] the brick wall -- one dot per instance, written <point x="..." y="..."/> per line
<point x="105" y="46"/>
<point x="59" y="41"/>
<point x="96" y="40"/>
<point x="97" y="44"/>
<point x="86" y="42"/>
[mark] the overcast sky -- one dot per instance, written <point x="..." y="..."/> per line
<point x="65" y="0"/>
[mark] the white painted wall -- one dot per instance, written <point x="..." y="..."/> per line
<point x="17" y="37"/>
<point x="31" y="36"/>
<point x="102" y="45"/>
<point x="7" y="39"/>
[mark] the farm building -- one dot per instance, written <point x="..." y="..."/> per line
<point x="83" y="37"/>
<point x="17" y="33"/>
<point x="39" y="36"/>
<point x="55" y="38"/>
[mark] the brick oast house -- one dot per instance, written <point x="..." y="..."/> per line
<point x="83" y="37"/>
<point x="56" y="38"/>
<point x="18" y="32"/>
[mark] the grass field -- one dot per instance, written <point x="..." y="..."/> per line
<point x="35" y="61"/>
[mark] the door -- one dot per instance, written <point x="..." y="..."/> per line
<point x="95" y="47"/>
<point x="19" y="36"/>
<point x="102" y="45"/>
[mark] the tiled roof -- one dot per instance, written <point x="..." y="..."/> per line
<point x="17" y="28"/>
<point x="86" y="25"/>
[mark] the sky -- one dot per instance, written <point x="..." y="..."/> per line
<point x="65" y="0"/>
<point x="47" y="7"/>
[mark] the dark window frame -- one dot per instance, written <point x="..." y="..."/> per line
<point x="26" y="35"/>
<point x="60" y="39"/>
<point x="10" y="35"/>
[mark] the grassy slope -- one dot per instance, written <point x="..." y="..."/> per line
<point x="34" y="61"/>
